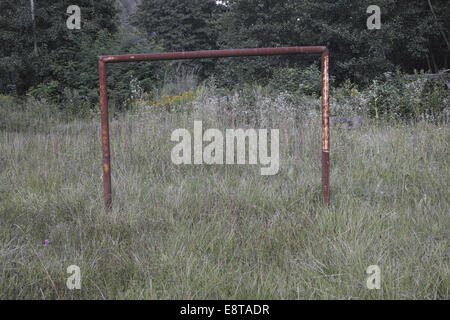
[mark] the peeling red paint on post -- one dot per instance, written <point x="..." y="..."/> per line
<point x="214" y="54"/>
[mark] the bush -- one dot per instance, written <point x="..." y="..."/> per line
<point x="402" y="98"/>
<point x="48" y="91"/>
<point x="70" y="101"/>
<point x="302" y="81"/>
<point x="434" y="99"/>
<point x="29" y="114"/>
<point x="75" y="105"/>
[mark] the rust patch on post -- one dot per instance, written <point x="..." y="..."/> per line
<point x="105" y="136"/>
<point x="325" y="127"/>
<point x="325" y="177"/>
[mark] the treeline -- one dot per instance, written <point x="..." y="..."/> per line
<point x="414" y="35"/>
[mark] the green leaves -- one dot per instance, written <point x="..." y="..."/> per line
<point x="411" y="37"/>
<point x="180" y="26"/>
<point x="57" y="45"/>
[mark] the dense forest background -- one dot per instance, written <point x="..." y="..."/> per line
<point x="414" y="35"/>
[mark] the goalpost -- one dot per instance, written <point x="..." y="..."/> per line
<point x="102" y="60"/>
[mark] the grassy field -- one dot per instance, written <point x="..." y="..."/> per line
<point x="225" y="231"/>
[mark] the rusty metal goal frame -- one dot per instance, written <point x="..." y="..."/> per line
<point x="102" y="60"/>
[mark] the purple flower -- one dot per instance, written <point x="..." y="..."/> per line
<point x="45" y="242"/>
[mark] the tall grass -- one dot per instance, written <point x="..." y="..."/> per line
<point x="225" y="232"/>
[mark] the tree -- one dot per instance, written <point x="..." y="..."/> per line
<point x="411" y="36"/>
<point x="187" y="25"/>
<point x="58" y="46"/>
<point x="179" y="25"/>
<point x="253" y="24"/>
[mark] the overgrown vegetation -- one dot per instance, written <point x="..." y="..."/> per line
<point x="208" y="232"/>
<point x="63" y="69"/>
<point x="224" y="232"/>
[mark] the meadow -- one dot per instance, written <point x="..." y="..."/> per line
<point x="225" y="231"/>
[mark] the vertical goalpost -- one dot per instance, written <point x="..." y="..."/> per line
<point x="102" y="60"/>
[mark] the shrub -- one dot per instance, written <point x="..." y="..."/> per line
<point x="30" y="114"/>
<point x="48" y="91"/>
<point x="301" y="81"/>
<point x="402" y="98"/>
